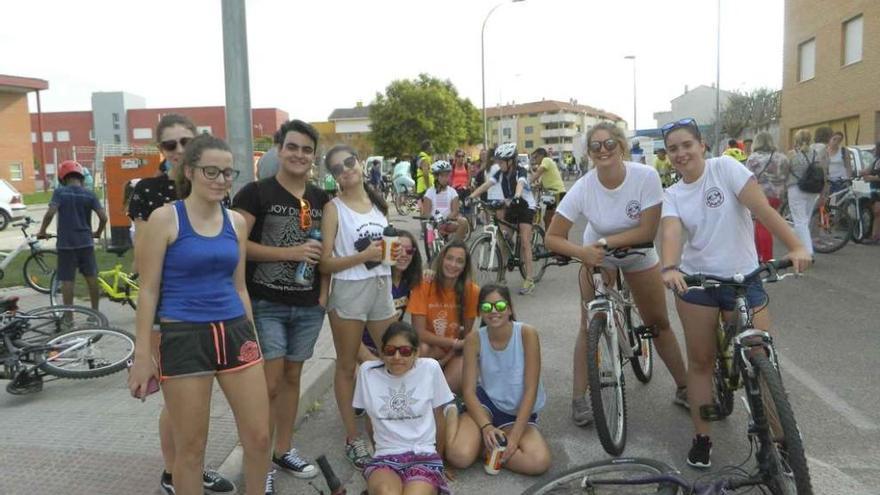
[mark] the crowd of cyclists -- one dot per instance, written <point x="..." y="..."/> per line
<point x="238" y="291"/>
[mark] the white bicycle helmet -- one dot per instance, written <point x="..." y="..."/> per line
<point x="441" y="166"/>
<point x="506" y="151"/>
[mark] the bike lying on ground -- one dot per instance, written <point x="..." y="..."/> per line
<point x="39" y="267"/>
<point x="85" y="352"/>
<point x="117" y="284"/>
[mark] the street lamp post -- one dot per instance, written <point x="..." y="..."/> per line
<point x="717" y="143"/>
<point x="483" y="70"/>
<point x="635" y="112"/>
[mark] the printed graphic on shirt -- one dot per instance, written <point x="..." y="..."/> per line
<point x="279" y="231"/>
<point x="714" y="197"/>
<point x="440" y="322"/>
<point x="634" y="209"/>
<point x="398" y="404"/>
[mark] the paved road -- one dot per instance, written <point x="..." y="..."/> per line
<point x="826" y="326"/>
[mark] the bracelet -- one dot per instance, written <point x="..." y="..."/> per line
<point x="669" y="268"/>
<point x="485" y="425"/>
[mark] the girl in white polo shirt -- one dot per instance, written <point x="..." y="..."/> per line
<point x="621" y="202"/>
<point x="714" y="203"/>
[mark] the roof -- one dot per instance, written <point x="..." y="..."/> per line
<point x="361" y="112"/>
<point x="550" y="106"/>
<point x="701" y="87"/>
<point x="17" y="84"/>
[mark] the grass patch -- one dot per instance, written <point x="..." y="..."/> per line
<point x="43" y="197"/>
<point x="106" y="261"/>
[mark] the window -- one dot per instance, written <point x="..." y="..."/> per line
<point x="91" y="134"/>
<point x="47" y="137"/>
<point x="62" y="136"/>
<point x="33" y="137"/>
<point x="852" y="40"/>
<point x="807" y="60"/>
<point x="506" y="132"/>
<point x="115" y="121"/>
<point x="15" y="171"/>
<point x="529" y="129"/>
<point x="203" y="129"/>
<point x="142" y="133"/>
<point x="117" y="139"/>
<point x="533" y="115"/>
<point x="530" y="144"/>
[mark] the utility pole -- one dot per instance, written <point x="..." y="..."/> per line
<point x="239" y="133"/>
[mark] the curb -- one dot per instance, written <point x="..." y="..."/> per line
<point x="317" y="378"/>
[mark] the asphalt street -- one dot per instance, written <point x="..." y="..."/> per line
<point x="826" y="330"/>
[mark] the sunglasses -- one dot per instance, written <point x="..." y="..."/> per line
<point x="678" y="124"/>
<point x="499" y="306"/>
<point x="211" y="172"/>
<point x="349" y="163"/>
<point x="408" y="250"/>
<point x="609" y="144"/>
<point x="404" y="350"/>
<point x="305" y="214"/>
<point x="171" y="144"/>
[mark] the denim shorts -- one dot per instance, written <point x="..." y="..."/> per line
<point x="71" y="260"/>
<point x="287" y="331"/>
<point x="723" y="297"/>
<point x="500" y="419"/>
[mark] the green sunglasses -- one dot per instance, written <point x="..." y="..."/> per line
<point x="499" y="306"/>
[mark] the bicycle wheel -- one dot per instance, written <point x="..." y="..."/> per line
<point x="643" y="347"/>
<point x="860" y="234"/>
<point x="607" y="387"/>
<point x="39" y="269"/>
<point x="574" y="480"/>
<point x="486" y="261"/>
<point x="49" y="321"/>
<point x="832" y="232"/>
<point x="723" y="393"/>
<point x="537" y="247"/>
<point x="788" y="471"/>
<point x="87" y="353"/>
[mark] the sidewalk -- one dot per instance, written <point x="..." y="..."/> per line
<point x="90" y="437"/>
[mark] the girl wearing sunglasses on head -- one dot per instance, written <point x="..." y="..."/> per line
<point x="360" y="293"/>
<point x="502" y="391"/>
<point x="621" y="202"/>
<point x="713" y="203"/>
<point x="444" y="308"/>
<point x="193" y="277"/>
<point x="402" y="395"/>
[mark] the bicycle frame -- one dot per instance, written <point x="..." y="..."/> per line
<point x="512" y="246"/>
<point x="608" y="301"/>
<point x="115" y="290"/>
<point x="9" y="256"/>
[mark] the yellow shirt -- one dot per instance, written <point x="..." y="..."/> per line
<point x="550" y="179"/>
<point x="420" y="179"/>
<point x="662" y="166"/>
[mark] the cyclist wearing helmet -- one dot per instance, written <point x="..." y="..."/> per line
<point x="442" y="202"/>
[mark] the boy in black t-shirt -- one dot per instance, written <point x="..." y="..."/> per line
<point x="282" y="213"/>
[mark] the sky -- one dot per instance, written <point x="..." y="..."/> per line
<point x="309" y="57"/>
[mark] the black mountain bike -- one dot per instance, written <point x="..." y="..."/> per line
<point x="493" y="252"/>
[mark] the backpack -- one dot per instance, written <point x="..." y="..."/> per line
<point x="813" y="180"/>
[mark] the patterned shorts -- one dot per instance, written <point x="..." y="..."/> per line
<point x="412" y="467"/>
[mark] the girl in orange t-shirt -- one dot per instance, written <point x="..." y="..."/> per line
<point x="444" y="309"/>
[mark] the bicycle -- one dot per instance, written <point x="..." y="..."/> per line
<point x="432" y="237"/>
<point x="116" y="284"/>
<point x="39" y="267"/>
<point x="616" y="336"/>
<point x="486" y="250"/>
<point x="641" y="475"/>
<point x="746" y="358"/>
<point x="89" y="352"/>
<point x="406" y="202"/>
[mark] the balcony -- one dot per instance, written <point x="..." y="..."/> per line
<point x="560" y="132"/>
<point x="552" y="118"/>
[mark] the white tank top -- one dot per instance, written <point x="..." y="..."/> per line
<point x="352" y="229"/>
<point x="836" y="167"/>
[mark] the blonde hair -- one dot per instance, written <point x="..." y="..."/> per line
<point x="763" y="142"/>
<point x="616" y="134"/>
<point x="802" y="139"/>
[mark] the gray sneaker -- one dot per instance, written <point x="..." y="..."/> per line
<point x="681" y="397"/>
<point x="581" y="411"/>
<point x="357" y="452"/>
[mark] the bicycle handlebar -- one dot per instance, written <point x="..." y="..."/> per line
<point x="770" y="268"/>
<point x="618" y="252"/>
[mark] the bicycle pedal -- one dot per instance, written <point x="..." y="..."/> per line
<point x="646" y="332"/>
<point x="711" y="412"/>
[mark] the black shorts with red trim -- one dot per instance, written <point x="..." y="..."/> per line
<point x="193" y="349"/>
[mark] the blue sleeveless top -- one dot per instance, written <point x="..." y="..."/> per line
<point x="502" y="373"/>
<point x="198" y="272"/>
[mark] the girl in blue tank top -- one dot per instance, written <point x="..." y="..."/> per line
<point x="191" y="263"/>
<point x="502" y="390"/>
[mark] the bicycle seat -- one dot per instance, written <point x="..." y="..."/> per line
<point x="118" y="250"/>
<point x="8" y="303"/>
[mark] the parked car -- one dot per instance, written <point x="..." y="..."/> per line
<point x="12" y="205"/>
<point x="863" y="158"/>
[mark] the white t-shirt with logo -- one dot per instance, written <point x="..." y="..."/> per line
<point x="401" y="408"/>
<point x="610" y="211"/>
<point x="441" y="203"/>
<point x="494" y="176"/>
<point x="721" y="235"/>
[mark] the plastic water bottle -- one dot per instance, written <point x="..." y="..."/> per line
<point x="305" y="272"/>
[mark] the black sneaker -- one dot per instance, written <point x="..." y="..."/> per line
<point x="165" y="483"/>
<point x="270" y="483"/>
<point x="701" y="450"/>
<point x="296" y="464"/>
<point x="215" y="482"/>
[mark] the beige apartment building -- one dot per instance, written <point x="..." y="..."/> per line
<point x="831" y="68"/>
<point x="550" y="124"/>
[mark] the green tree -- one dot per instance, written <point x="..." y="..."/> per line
<point x="411" y="111"/>
<point x="756" y="108"/>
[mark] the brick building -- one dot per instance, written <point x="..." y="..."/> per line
<point x="831" y="68"/>
<point x="16" y="152"/>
